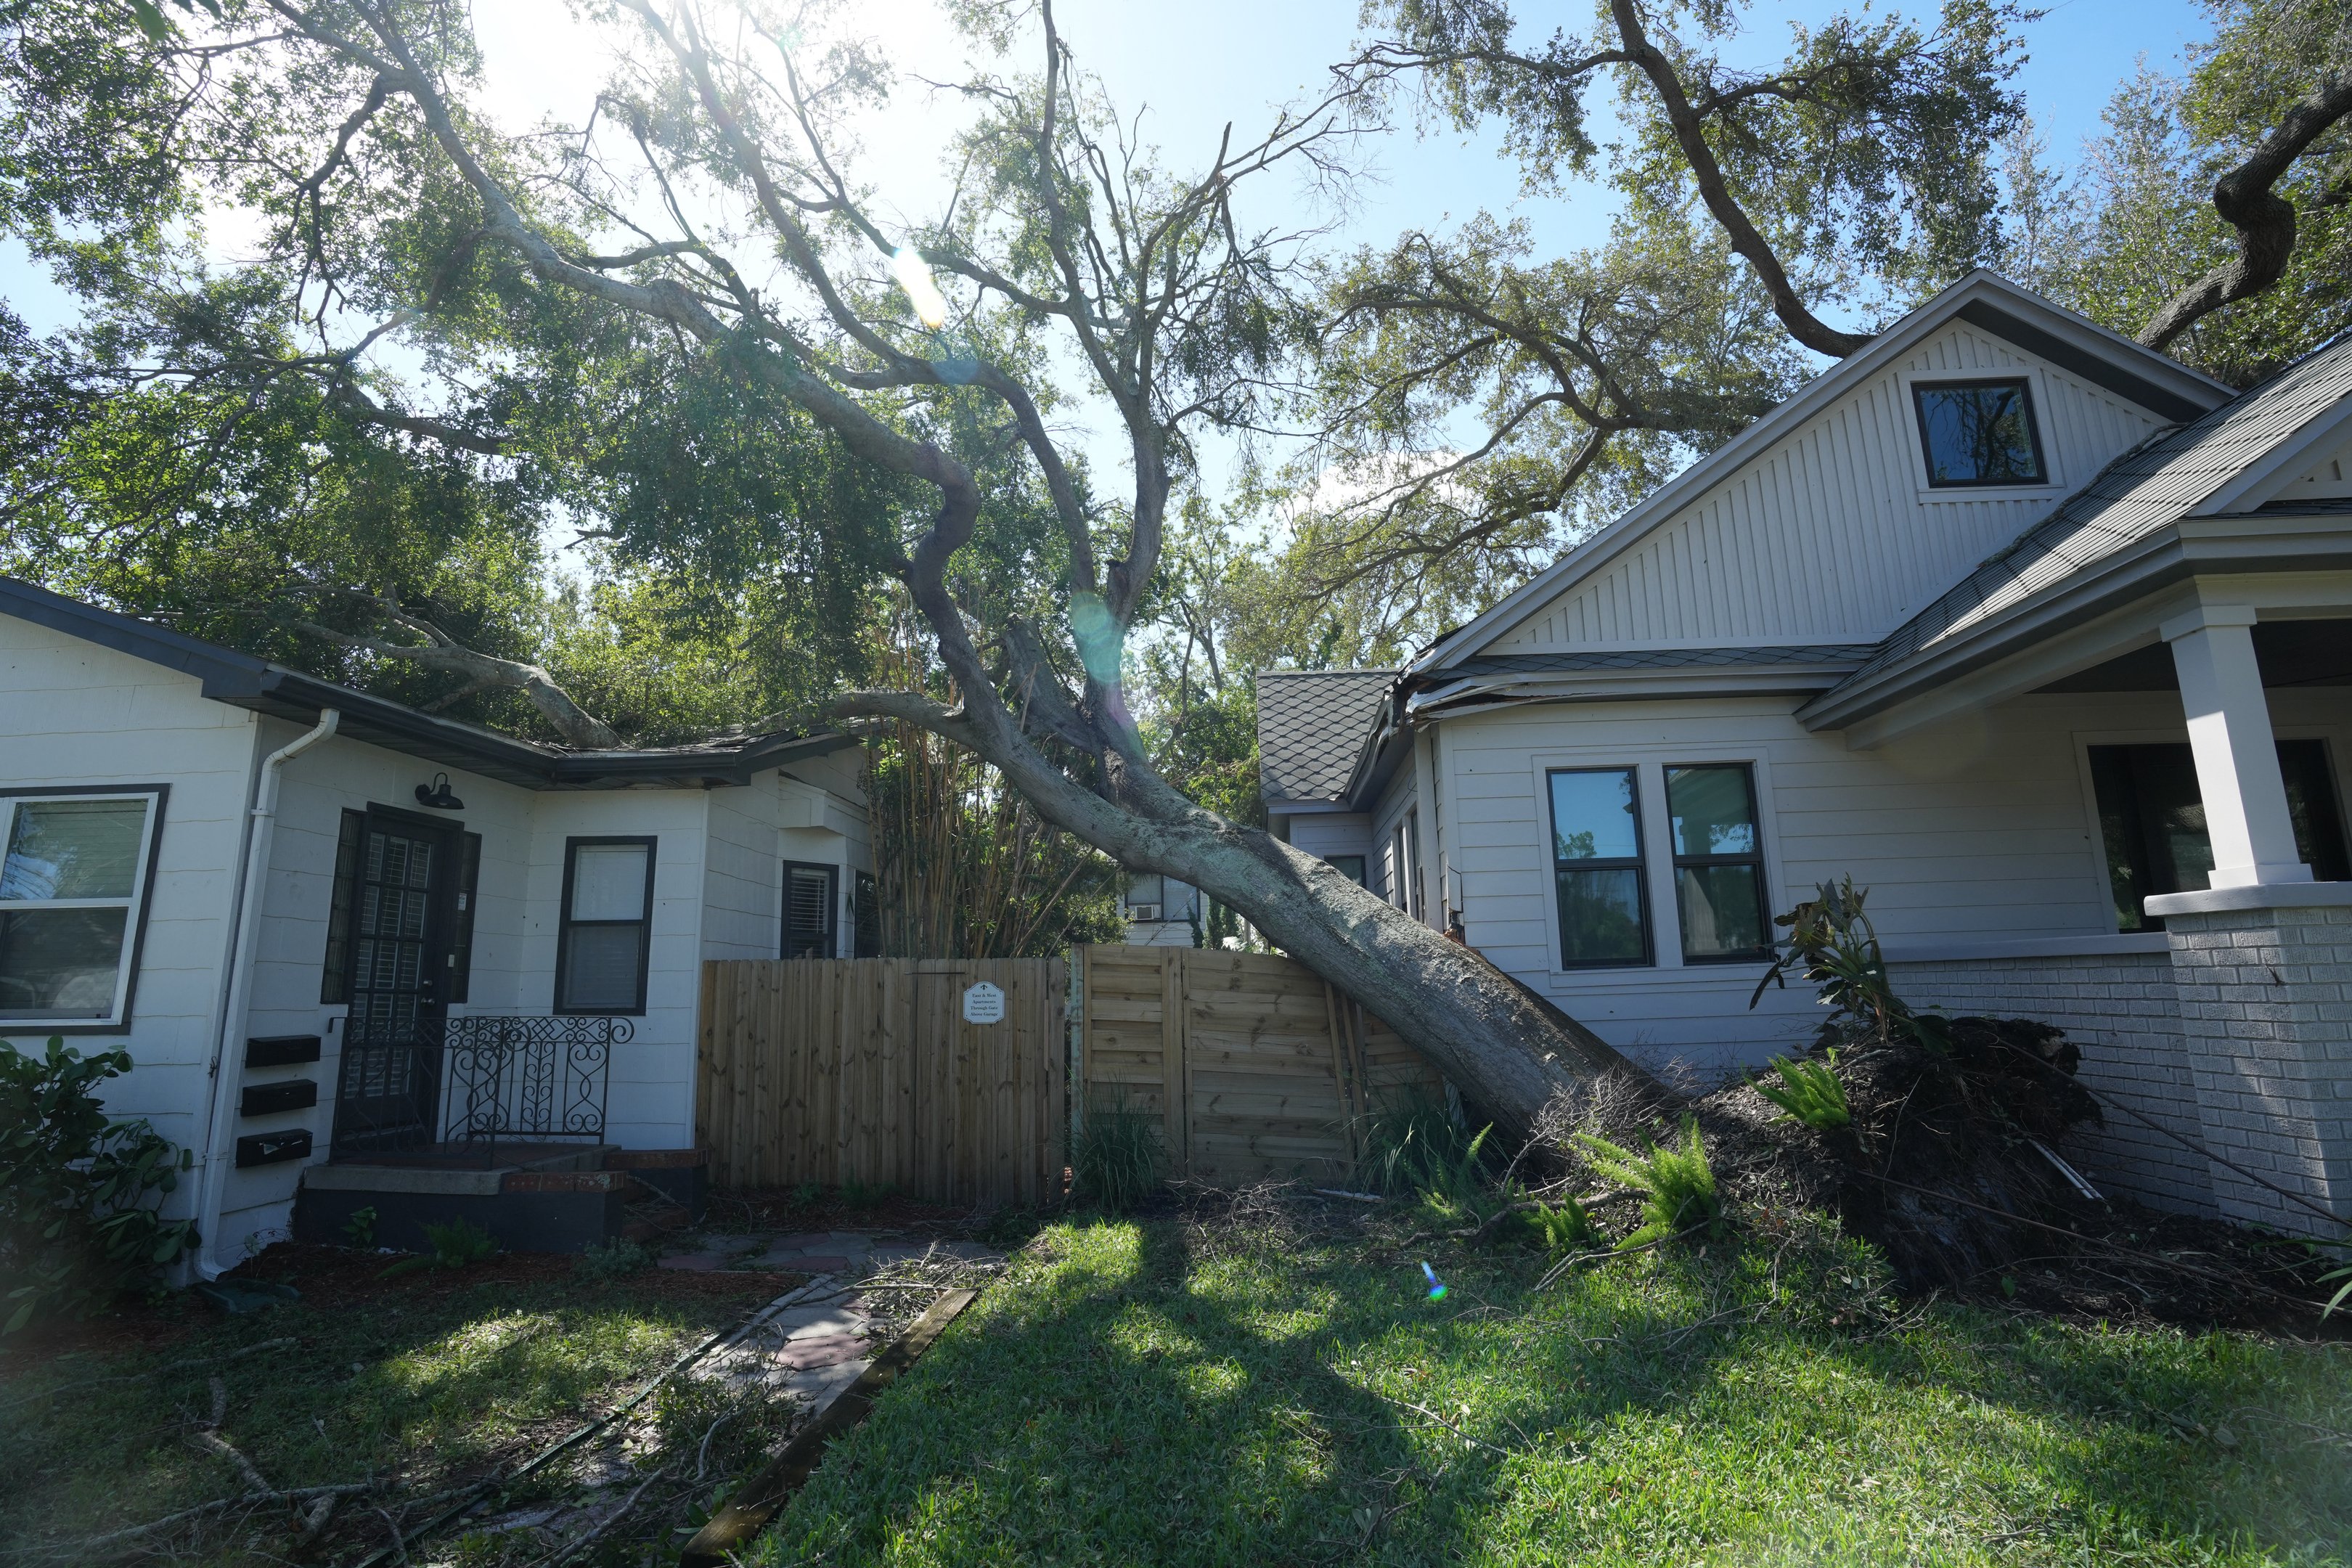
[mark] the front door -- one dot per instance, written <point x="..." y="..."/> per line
<point x="401" y="931"/>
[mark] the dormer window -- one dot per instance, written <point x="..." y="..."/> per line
<point x="1979" y="433"/>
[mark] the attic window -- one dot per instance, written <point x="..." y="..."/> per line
<point x="1979" y="433"/>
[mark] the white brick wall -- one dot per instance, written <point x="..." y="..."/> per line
<point x="2122" y="1011"/>
<point x="2267" y="1009"/>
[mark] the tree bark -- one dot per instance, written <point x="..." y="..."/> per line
<point x="2264" y="219"/>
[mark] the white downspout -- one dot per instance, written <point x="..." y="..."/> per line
<point x="217" y="1141"/>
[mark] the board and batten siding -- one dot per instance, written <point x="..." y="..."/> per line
<point x="1979" y="830"/>
<point x="1830" y="536"/>
<point x="73" y="712"/>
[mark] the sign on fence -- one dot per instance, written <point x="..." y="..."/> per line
<point x="983" y="1003"/>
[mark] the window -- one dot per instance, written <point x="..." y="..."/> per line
<point x="607" y="927"/>
<point x="2152" y="821"/>
<point x="74" y="872"/>
<point x="1145" y="894"/>
<point x="1405" y="858"/>
<point x="1348" y="866"/>
<point x="1979" y="433"/>
<point x="809" y="903"/>
<point x="1719" y="863"/>
<point x="1596" y="837"/>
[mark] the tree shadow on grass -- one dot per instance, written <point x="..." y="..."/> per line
<point x="427" y="1379"/>
<point x="1148" y="1399"/>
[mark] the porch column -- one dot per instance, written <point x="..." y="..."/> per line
<point x="2237" y="756"/>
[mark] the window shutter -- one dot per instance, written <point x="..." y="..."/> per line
<point x="335" y="975"/>
<point x="461" y="931"/>
<point x="808" y="910"/>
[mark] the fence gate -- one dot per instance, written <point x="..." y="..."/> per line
<point x="871" y="1070"/>
<point x="1254" y="1065"/>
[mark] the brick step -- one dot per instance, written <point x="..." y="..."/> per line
<point x="655" y="1216"/>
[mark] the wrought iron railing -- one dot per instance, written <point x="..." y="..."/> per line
<point x="466" y="1084"/>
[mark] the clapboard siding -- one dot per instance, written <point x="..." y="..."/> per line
<point x="1975" y="831"/>
<point x="1825" y="538"/>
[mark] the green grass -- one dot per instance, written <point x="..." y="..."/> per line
<point x="1155" y="1391"/>
<point x="435" y="1379"/>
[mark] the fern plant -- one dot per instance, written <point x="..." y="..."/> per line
<point x="1676" y="1182"/>
<point x="1810" y="1093"/>
<point x="1564" y="1226"/>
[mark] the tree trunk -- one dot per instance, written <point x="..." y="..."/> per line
<point x="1501" y="1048"/>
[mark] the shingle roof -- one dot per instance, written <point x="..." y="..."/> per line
<point x="1311" y="724"/>
<point x="2149" y="488"/>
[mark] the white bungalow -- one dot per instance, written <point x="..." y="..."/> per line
<point x="2037" y="633"/>
<point x="317" y="919"/>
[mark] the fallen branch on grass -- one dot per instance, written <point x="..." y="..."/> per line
<point x="1598" y="1255"/>
<point x="157" y="1372"/>
<point x="115" y="1542"/>
<point x="1450" y="1427"/>
<point x="579" y="1549"/>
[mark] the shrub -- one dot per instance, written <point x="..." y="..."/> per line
<point x="1677" y="1182"/>
<point x="79" y="1195"/>
<point x="1114" y="1159"/>
<point x="615" y="1259"/>
<point x="460" y="1244"/>
<point x="1564" y="1226"/>
<point x="1810" y="1093"/>
<point x="1413" y="1144"/>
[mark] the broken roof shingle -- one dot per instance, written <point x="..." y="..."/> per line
<point x="1311" y="723"/>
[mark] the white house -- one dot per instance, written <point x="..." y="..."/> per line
<point x="232" y="868"/>
<point x="2040" y="635"/>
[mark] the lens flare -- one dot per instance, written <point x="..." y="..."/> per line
<point x="1436" y="1286"/>
<point x="1100" y="646"/>
<point x="915" y="277"/>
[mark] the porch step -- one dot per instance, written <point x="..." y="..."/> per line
<point x="545" y="1199"/>
<point x="654" y="1218"/>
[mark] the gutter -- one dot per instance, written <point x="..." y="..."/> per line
<point x="222" y="1120"/>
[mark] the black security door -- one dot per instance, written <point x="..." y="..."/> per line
<point x="402" y="924"/>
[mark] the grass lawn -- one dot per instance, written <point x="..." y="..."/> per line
<point x="1160" y="1392"/>
<point x="431" y="1382"/>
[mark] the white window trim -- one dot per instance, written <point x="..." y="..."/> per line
<point x="2053" y="461"/>
<point x="1649" y="765"/>
<point x="134" y="934"/>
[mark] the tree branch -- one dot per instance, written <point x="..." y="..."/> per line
<point x="2264" y="219"/>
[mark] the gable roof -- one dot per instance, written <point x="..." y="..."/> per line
<point x="1983" y="300"/>
<point x="244" y="681"/>
<point x="1311" y="723"/>
<point x="2207" y="466"/>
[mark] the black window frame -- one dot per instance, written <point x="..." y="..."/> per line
<point x="135" y="937"/>
<point x="1755" y="857"/>
<point x="2024" y="385"/>
<point x="1638" y="863"/>
<point x="645" y="924"/>
<point x="865" y="917"/>
<point x="1339" y="863"/>
<point x="832" y="909"/>
<point x="2136" y="864"/>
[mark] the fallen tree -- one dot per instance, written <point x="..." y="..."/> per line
<point x="398" y="207"/>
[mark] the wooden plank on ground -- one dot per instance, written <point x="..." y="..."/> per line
<point x="761" y="1499"/>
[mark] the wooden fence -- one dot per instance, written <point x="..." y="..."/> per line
<point x="1256" y="1066"/>
<point x="832" y="1071"/>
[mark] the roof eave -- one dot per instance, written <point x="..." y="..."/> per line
<point x="2244" y="542"/>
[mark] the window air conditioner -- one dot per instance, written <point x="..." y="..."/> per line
<point x="1143" y="912"/>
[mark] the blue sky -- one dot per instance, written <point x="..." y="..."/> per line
<point x="1193" y="68"/>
